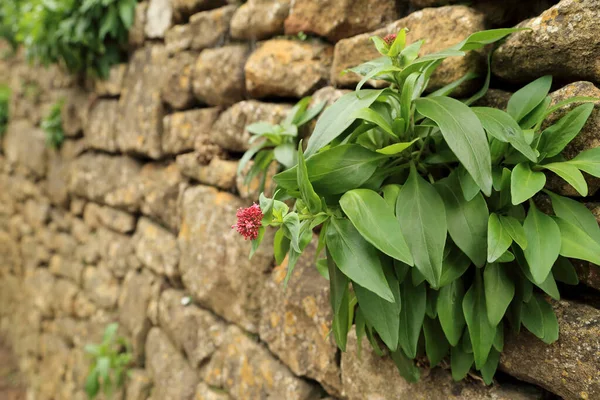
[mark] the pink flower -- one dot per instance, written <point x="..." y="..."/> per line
<point x="249" y="220"/>
<point x="389" y="39"/>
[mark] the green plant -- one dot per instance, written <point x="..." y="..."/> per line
<point x="276" y="142"/>
<point x="52" y="125"/>
<point x="425" y="205"/>
<point x="84" y="36"/>
<point x="4" y="101"/>
<point x="111" y="359"/>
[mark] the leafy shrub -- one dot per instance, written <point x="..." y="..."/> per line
<point x="109" y="365"/>
<point x="84" y="36"/>
<point x="4" y="101"/>
<point x="425" y="207"/>
<point x="276" y="141"/>
<point x="52" y="125"/>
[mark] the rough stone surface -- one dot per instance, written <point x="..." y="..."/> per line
<point x="25" y="147"/>
<point x="295" y="322"/>
<point x="136" y="33"/>
<point x="440" y="27"/>
<point x="178" y="38"/>
<point x="569" y="367"/>
<point x="100" y="132"/>
<point x="159" y="18"/>
<point x="136" y="294"/>
<point x="112" y="218"/>
<point x="219" y="173"/>
<point x="110" y="87"/>
<point x="106" y="179"/>
<point x="181" y="129"/>
<point x="185" y="8"/>
<point x="101" y="286"/>
<point x="372" y="377"/>
<point x="214" y="262"/>
<point x="563" y="42"/>
<point x="588" y="137"/>
<point x="259" y="19"/>
<point x="195" y="331"/>
<point x="287" y="68"/>
<point x="140" y="109"/>
<point x="248" y="371"/>
<point x="74" y="112"/>
<point x="210" y="28"/>
<point x="156" y="248"/>
<point x="204" y="392"/>
<point x="139" y="385"/>
<point x="229" y="130"/>
<point x="219" y="75"/>
<point x="177" y="88"/>
<point x="173" y="378"/>
<point x="337" y="19"/>
<point x="252" y="190"/>
<point x="66" y="268"/>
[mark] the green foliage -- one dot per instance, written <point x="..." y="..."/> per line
<point x="276" y="142"/>
<point x="110" y="360"/>
<point x="83" y="36"/>
<point x="426" y="209"/>
<point x="4" y="102"/>
<point x="52" y="126"/>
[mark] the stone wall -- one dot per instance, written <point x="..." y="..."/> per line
<point x="130" y="219"/>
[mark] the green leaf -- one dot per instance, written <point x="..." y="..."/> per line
<point x="431" y="308"/>
<point x="499" y="291"/>
<point x="539" y="318"/>
<point x="489" y="368"/>
<point x="548" y="285"/>
<point x="565" y="272"/>
<point x="499" y="338"/>
<point x="543" y="243"/>
<point x="514" y="228"/>
<point x="481" y="332"/>
<point x="467" y="220"/>
<point x="467" y="184"/>
<point x="449" y="88"/>
<point x="556" y="137"/>
<point x="524" y="100"/>
<point x="498" y="238"/>
<point x="480" y="39"/>
<point x="588" y="161"/>
<point x="356" y="258"/>
<point x="109" y="332"/>
<point x="450" y="313"/>
<point x="399" y="43"/>
<point x="454" y="264"/>
<point x="570" y="100"/>
<point x="524" y="183"/>
<point x="281" y="246"/>
<point x="375" y="221"/>
<point x="570" y="174"/>
<point x="335" y="170"/>
<point x="256" y="242"/>
<point x="285" y="154"/>
<point x="460" y="362"/>
<point x="436" y="345"/>
<point x="396" y="148"/>
<point x="576" y="243"/>
<point x="374" y="118"/>
<point x="310" y="198"/>
<point x="405" y="366"/>
<point x="338" y="117"/>
<point x="576" y="213"/>
<point x="291" y="230"/>
<point x="92" y="385"/>
<point x="390" y="195"/>
<point x="504" y="128"/>
<point x="536" y="116"/>
<point x="338" y="296"/>
<point x="464" y="134"/>
<point x="420" y="210"/>
<point x="407" y="96"/>
<point x="127" y="13"/>
<point x="381" y="314"/>
<point x="411" y="316"/>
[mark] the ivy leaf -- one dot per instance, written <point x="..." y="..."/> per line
<point x="570" y="174"/>
<point x="356" y="258"/>
<point x="467" y="220"/>
<point x="375" y="221"/>
<point x="499" y="291"/>
<point x="524" y="183"/>
<point x="422" y="216"/>
<point x="338" y="117"/>
<point x="436" y="345"/>
<point x="543" y="243"/>
<point x="556" y="137"/>
<point x="464" y="134"/>
<point x="411" y="316"/>
<point x="524" y="100"/>
<point x="576" y="243"/>
<point x="498" y="238"/>
<point x="450" y="313"/>
<point x="576" y="213"/>
<point x="481" y="332"/>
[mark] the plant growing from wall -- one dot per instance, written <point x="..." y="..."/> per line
<point x="110" y="360"/>
<point x="83" y="36"/>
<point x="276" y="142"/>
<point x="52" y="126"/>
<point x="4" y="102"/>
<point x="426" y="212"/>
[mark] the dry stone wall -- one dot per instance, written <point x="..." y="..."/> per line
<point x="130" y="220"/>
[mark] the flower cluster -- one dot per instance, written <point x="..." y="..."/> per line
<point x="389" y="39"/>
<point x="249" y="221"/>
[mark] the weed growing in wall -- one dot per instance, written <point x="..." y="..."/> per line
<point x="52" y="126"/>
<point x="425" y="204"/>
<point x="110" y="360"/>
<point x="4" y="102"/>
